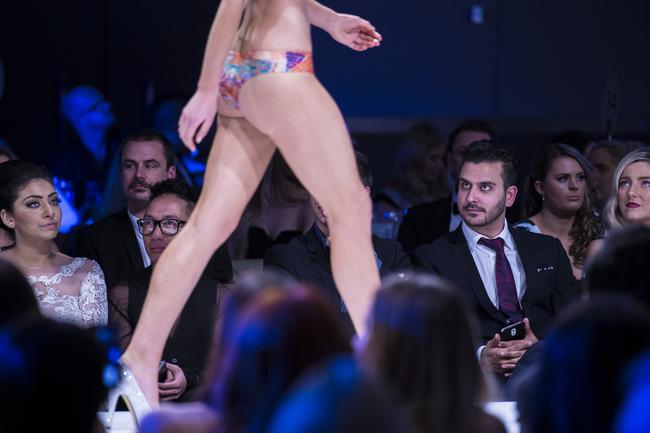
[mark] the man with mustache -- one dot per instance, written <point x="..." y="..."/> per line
<point x="508" y="274"/>
<point x="189" y="343"/>
<point x="146" y="158"/>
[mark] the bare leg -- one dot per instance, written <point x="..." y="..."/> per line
<point x="237" y="161"/>
<point x="311" y="134"/>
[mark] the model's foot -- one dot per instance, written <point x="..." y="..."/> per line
<point x="145" y="375"/>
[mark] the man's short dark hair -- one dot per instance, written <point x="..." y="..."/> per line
<point x="363" y="166"/>
<point x="476" y="125"/>
<point x="178" y="188"/>
<point x="491" y="151"/>
<point x="151" y="135"/>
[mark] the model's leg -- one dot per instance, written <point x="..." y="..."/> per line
<point x="306" y="125"/>
<point x="237" y="161"/>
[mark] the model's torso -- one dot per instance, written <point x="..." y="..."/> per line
<point x="274" y="25"/>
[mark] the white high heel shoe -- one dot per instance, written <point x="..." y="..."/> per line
<point x="132" y="395"/>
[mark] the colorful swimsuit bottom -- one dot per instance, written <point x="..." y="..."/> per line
<point x="238" y="69"/>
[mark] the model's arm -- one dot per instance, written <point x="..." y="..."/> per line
<point x="199" y="113"/>
<point x="349" y="30"/>
<point x="320" y="15"/>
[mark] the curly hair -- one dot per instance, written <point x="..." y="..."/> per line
<point x="586" y="224"/>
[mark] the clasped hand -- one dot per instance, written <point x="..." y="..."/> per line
<point x="502" y="357"/>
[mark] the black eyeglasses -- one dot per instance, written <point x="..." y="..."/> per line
<point x="168" y="226"/>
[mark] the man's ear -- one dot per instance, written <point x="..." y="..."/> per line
<point x="171" y="172"/>
<point x="7" y="218"/>
<point x="511" y="195"/>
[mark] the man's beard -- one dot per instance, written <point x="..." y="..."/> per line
<point x="491" y="214"/>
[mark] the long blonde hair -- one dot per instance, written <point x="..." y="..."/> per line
<point x="612" y="210"/>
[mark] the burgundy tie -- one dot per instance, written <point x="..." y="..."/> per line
<point x="506" y="289"/>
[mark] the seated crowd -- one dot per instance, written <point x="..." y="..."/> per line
<point x="480" y="302"/>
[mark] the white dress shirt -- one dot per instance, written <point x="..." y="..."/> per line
<point x="485" y="260"/>
<point x="134" y="222"/>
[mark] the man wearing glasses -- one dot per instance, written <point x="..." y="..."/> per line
<point x="189" y="343"/>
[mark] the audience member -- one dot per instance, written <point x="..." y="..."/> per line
<point x="507" y="274"/>
<point x="67" y="289"/>
<point x="51" y="377"/>
<point x="336" y="397"/>
<point x="84" y="158"/>
<point x="621" y="264"/>
<point x="278" y="212"/>
<point x="560" y="201"/>
<point x="634" y="417"/>
<point x="279" y="335"/>
<point x="419" y="173"/>
<point x="146" y="158"/>
<point x="604" y="157"/>
<point x="421" y="345"/>
<point x="426" y="222"/>
<point x="306" y="257"/>
<point x="6" y="237"/>
<point x="18" y="295"/>
<point x="115" y="241"/>
<point x="630" y="202"/>
<point x="578" y="387"/>
<point x="189" y="344"/>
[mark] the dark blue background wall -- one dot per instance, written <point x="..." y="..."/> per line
<point x="533" y="67"/>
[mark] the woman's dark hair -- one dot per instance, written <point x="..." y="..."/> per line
<point x="586" y="225"/>
<point x="14" y="175"/>
<point x="620" y="264"/>
<point x="55" y="367"/>
<point x="407" y="177"/>
<point x="578" y="387"/>
<point x="278" y="335"/>
<point x="421" y="345"/>
<point x="17" y="295"/>
<point x="337" y="397"/>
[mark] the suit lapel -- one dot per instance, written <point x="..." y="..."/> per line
<point x="464" y="258"/>
<point x="320" y="259"/>
<point x="527" y="257"/>
<point x="128" y="238"/>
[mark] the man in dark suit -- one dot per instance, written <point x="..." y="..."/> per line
<point x="306" y="258"/>
<point x="146" y="158"/>
<point x="424" y="223"/>
<point x="190" y="341"/>
<point x="507" y="274"/>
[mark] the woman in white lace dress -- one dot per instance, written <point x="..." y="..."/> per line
<point x="68" y="289"/>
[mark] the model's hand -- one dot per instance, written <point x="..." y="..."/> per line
<point x="174" y="384"/>
<point x="355" y="32"/>
<point x="197" y="118"/>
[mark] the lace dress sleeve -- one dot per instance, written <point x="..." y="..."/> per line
<point x="93" y="301"/>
